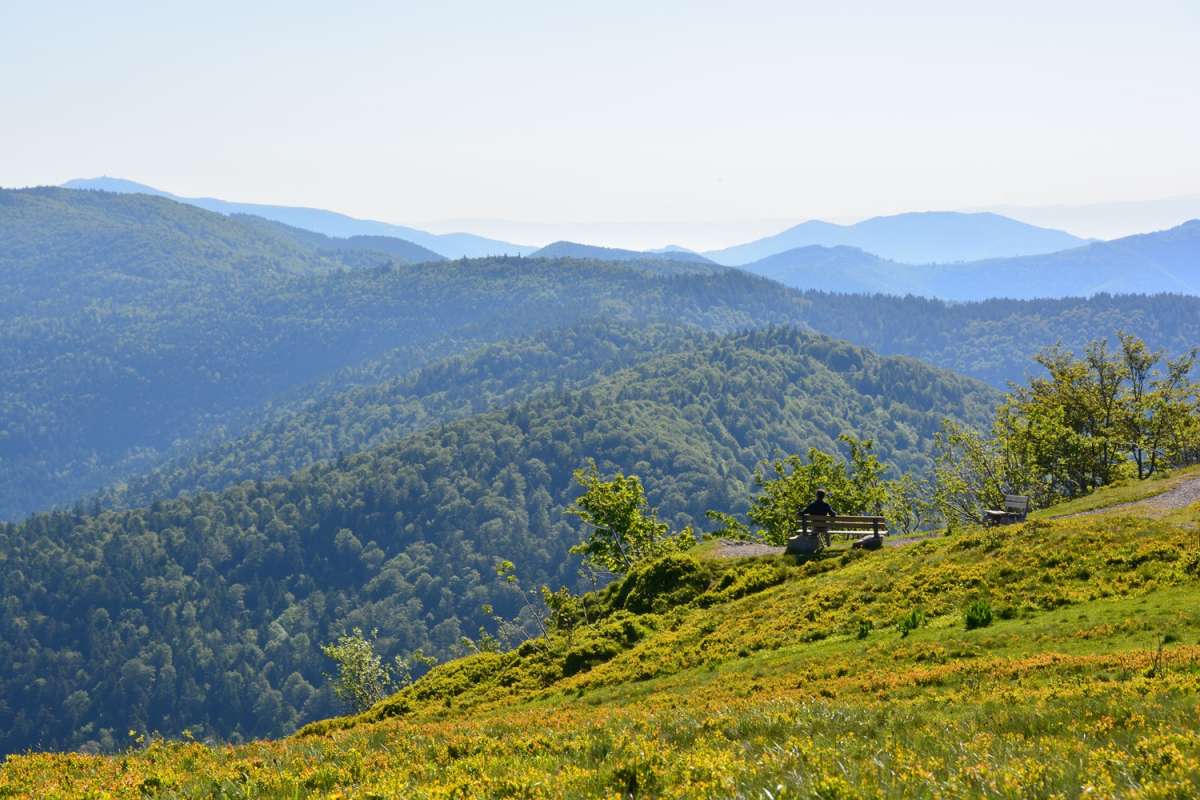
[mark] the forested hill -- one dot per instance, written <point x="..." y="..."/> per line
<point x="131" y="324"/>
<point x="206" y="612"/>
<point x="353" y="251"/>
<point x="996" y="340"/>
<point x="575" y="250"/>
<point x="363" y="416"/>
<point x="135" y="330"/>
<point x="329" y="223"/>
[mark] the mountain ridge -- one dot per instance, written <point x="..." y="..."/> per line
<point x="566" y="249"/>
<point x="911" y="237"/>
<point x="1165" y="261"/>
<point x="330" y="223"/>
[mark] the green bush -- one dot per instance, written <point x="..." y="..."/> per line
<point x="910" y="622"/>
<point x="665" y="583"/>
<point x="978" y="615"/>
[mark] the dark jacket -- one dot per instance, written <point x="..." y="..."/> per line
<point x="819" y="507"/>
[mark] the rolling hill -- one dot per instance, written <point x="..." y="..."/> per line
<point x="833" y="269"/>
<point x="204" y="612"/>
<point x="1164" y="261"/>
<point x="915" y="238"/>
<point x="137" y="330"/>
<point x="330" y="223"/>
<point x="400" y="250"/>
<point x="849" y="675"/>
<point x="133" y="326"/>
<point x="575" y="250"/>
<point x="1160" y="262"/>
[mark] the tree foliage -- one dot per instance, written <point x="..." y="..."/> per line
<point x="206" y="611"/>
<point x="854" y="485"/>
<point x="362" y="678"/>
<point x="624" y="529"/>
<point x="1089" y="421"/>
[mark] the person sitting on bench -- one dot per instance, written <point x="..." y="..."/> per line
<point x="820" y="508"/>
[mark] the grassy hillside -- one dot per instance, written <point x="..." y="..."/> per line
<point x="851" y="675"/>
<point x="206" y="611"/>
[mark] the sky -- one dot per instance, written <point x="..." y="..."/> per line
<point x="632" y="120"/>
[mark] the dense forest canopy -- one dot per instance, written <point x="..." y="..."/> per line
<point x="346" y="421"/>
<point x="206" y="612"/>
<point x="997" y="340"/>
<point x="136" y="331"/>
<point x="132" y="325"/>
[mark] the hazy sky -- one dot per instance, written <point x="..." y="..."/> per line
<point x="613" y="111"/>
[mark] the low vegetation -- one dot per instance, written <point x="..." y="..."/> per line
<point x="845" y="675"/>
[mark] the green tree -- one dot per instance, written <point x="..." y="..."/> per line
<point x="625" y="530"/>
<point x="855" y="486"/>
<point x="973" y="472"/>
<point x="363" y="679"/>
<point x="1159" y="407"/>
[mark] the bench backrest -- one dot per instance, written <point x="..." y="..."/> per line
<point x="1016" y="503"/>
<point x="843" y="522"/>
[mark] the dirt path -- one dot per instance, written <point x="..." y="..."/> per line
<point x="1182" y="495"/>
<point x="728" y="548"/>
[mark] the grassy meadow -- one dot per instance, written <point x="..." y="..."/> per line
<point x="850" y="675"/>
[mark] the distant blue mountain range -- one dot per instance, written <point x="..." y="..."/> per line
<point x="330" y="223"/>
<point x="1165" y="261"/>
<point x="915" y="238"/>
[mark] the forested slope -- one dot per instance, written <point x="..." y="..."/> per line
<point x="492" y="377"/>
<point x="206" y="612"/>
<point x="135" y="330"/>
<point x="130" y="325"/>
<point x="995" y="340"/>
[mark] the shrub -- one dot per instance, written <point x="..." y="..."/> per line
<point x="668" y="582"/>
<point x="978" y="615"/>
<point x="910" y="622"/>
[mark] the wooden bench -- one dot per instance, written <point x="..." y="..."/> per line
<point x="868" y="531"/>
<point x="1016" y="507"/>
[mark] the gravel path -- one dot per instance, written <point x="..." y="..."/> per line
<point x="1180" y="496"/>
<point x="728" y="548"/>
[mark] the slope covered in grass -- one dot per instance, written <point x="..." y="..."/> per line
<point x="767" y="678"/>
<point x="206" y="611"/>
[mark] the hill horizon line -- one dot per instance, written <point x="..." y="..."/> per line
<point x="464" y="242"/>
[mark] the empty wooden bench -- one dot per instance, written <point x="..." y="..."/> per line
<point x="816" y="530"/>
<point x="1016" y="508"/>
